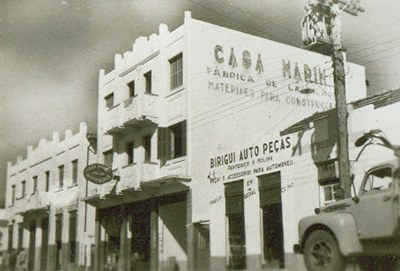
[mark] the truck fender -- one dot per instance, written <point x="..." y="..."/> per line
<point x="341" y="225"/>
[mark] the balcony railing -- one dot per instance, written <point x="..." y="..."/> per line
<point x="131" y="112"/>
<point x="39" y="201"/>
<point x="132" y="175"/>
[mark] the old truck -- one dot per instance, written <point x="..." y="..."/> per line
<point x="364" y="229"/>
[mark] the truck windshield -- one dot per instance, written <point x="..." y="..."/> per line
<point x="378" y="179"/>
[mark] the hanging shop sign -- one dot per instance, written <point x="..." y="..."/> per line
<point x="98" y="173"/>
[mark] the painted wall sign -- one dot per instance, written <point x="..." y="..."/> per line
<point x="241" y="73"/>
<point x="98" y="173"/>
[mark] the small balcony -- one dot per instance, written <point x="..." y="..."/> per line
<point x="133" y="111"/>
<point x="34" y="204"/>
<point x="131" y="176"/>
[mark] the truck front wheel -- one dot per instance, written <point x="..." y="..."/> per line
<point x="321" y="252"/>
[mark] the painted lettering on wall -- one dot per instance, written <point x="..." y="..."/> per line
<point x="287" y="187"/>
<point x="215" y="200"/>
<point x="246" y="58"/>
<point x="273" y="146"/>
<point x="238" y="72"/>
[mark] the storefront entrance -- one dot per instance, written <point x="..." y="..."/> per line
<point x="272" y="226"/>
<point x="127" y="236"/>
<point x="236" y="227"/>
<point x="140" y="242"/>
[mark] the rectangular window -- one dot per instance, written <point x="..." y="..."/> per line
<point x="61" y="176"/>
<point x="178" y="140"/>
<point x="72" y="236"/>
<point x="47" y="181"/>
<point x="109" y="99"/>
<point x="108" y="158"/>
<point x="75" y="171"/>
<point x="329" y="190"/>
<point x="35" y="184"/>
<point x="176" y="67"/>
<point x="10" y="237"/>
<point x="12" y="195"/>
<point x="147" y="148"/>
<point x="20" y="236"/>
<point x="23" y="188"/>
<point x="129" y="149"/>
<point x="172" y="142"/>
<point x="131" y="86"/>
<point x="147" y="77"/>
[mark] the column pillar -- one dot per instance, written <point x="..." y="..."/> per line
<point x="51" y="250"/>
<point x="38" y="244"/>
<point x="154" y="240"/>
<point x="99" y="244"/>
<point x="122" y="261"/>
<point x="65" y="241"/>
<point x="129" y="243"/>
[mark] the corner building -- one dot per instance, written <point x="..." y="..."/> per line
<point x="47" y="221"/>
<point x="190" y="123"/>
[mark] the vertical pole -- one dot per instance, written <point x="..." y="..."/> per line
<point x="330" y="10"/>
<point x="340" y="97"/>
<point x="154" y="240"/>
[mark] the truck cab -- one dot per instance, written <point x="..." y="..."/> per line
<point x="366" y="226"/>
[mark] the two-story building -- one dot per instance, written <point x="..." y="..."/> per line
<point x="190" y="123"/>
<point x="47" y="221"/>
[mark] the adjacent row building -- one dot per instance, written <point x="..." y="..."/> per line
<point x="47" y="220"/>
<point x="219" y="142"/>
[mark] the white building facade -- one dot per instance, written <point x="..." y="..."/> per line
<point x="190" y="122"/>
<point x="47" y="221"/>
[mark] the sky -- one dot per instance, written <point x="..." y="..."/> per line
<point x="51" y="52"/>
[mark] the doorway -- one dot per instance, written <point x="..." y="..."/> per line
<point x="140" y="242"/>
<point x="272" y="223"/>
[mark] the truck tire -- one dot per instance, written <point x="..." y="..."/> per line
<point x="321" y="252"/>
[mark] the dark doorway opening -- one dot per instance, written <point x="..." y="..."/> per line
<point x="202" y="246"/>
<point x="236" y="226"/>
<point x="140" y="242"/>
<point x="271" y="206"/>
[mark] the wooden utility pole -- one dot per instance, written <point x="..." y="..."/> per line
<point x="329" y="11"/>
<point x="340" y="88"/>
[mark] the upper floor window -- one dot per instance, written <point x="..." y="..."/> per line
<point x="172" y="142"/>
<point x="35" y="184"/>
<point x="108" y="158"/>
<point x="74" y="171"/>
<point x="23" y="188"/>
<point x="131" y="86"/>
<point x="148" y="83"/>
<point x="176" y="67"/>
<point x="129" y="148"/>
<point x="147" y="148"/>
<point x="12" y="195"/>
<point x="61" y="176"/>
<point x="109" y="99"/>
<point x="47" y="181"/>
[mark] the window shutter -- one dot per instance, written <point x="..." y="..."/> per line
<point x="163" y="144"/>
<point x="270" y="188"/>
<point x="234" y="197"/>
<point x="184" y="140"/>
